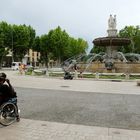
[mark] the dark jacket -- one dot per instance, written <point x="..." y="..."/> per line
<point x="6" y="93"/>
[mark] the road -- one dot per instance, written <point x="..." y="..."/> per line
<point x="87" y="108"/>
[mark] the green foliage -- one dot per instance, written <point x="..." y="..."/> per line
<point x="132" y="33"/>
<point x="97" y="49"/>
<point x="56" y="45"/>
<point x="23" y="38"/>
<point x="5" y="34"/>
<point x="76" y="47"/>
<point x="44" y="49"/>
<point x="58" y="42"/>
<point x="63" y="46"/>
<point x="4" y="40"/>
<point x="15" y="38"/>
<point x="36" y="44"/>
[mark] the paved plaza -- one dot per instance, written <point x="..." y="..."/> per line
<point x="43" y="130"/>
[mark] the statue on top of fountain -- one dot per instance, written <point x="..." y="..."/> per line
<point x="112" y="22"/>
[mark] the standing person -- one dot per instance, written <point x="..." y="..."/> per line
<point x="81" y="74"/>
<point x="20" y="69"/>
<point x="7" y="91"/>
<point x="75" y="70"/>
<point x="23" y="68"/>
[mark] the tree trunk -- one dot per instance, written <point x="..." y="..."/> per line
<point x="1" y="62"/>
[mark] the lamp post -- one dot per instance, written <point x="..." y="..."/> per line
<point x="12" y="47"/>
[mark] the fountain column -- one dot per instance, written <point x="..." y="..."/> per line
<point x="112" y="32"/>
<point x="111" y="51"/>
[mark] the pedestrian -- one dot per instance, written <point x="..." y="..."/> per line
<point x="20" y="69"/>
<point x="75" y="71"/>
<point x="81" y="74"/>
<point x="23" y="68"/>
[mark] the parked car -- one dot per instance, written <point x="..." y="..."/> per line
<point x="15" y="65"/>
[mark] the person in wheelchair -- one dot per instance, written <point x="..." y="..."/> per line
<point x="68" y="75"/>
<point x="7" y="91"/>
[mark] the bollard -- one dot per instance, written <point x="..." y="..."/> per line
<point x="97" y="75"/>
<point x="76" y="74"/>
<point x="138" y="83"/>
<point x="127" y="76"/>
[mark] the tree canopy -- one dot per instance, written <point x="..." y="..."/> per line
<point x="4" y="40"/>
<point x="56" y="44"/>
<point x="132" y="33"/>
<point x="15" y="38"/>
<point x="22" y="38"/>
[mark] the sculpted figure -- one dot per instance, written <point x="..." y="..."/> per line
<point x="112" y="22"/>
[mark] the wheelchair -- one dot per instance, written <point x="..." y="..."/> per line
<point x="9" y="112"/>
<point x="68" y="75"/>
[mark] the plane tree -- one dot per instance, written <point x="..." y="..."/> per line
<point x="132" y="33"/>
<point x="22" y="40"/>
<point x="76" y="47"/>
<point x="5" y="35"/>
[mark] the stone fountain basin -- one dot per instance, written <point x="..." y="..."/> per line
<point x="111" y="41"/>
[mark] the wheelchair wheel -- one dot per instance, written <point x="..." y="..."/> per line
<point x="8" y="113"/>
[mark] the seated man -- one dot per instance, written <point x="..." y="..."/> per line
<point x="6" y="90"/>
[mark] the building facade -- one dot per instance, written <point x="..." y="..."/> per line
<point x="31" y="58"/>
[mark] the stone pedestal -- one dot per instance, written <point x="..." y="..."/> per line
<point x="112" y="32"/>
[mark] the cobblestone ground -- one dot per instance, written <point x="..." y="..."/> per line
<point x="43" y="130"/>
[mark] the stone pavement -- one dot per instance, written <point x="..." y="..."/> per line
<point x="42" y="130"/>
<point x="98" y="86"/>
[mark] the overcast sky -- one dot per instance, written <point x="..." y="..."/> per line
<point x="87" y="19"/>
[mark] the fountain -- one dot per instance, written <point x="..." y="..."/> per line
<point x="109" y="61"/>
<point x="112" y="42"/>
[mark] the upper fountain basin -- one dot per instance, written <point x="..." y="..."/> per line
<point x="111" y="41"/>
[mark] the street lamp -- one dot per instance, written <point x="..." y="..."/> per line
<point x="12" y="47"/>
